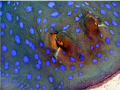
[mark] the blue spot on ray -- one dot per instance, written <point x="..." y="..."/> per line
<point x="70" y="76"/>
<point x="75" y="10"/>
<point x="63" y="52"/>
<point x="38" y="77"/>
<point x="2" y="58"/>
<point x="4" y="48"/>
<point x="8" y="2"/>
<point x="50" y="79"/>
<point x="28" y="9"/>
<point x="9" y="17"/>
<point x="17" y="39"/>
<point x="32" y="31"/>
<point x="94" y="60"/>
<point x="80" y="65"/>
<point x="40" y="30"/>
<point x="94" y="8"/>
<point x="114" y="23"/>
<point x="29" y="76"/>
<point x="77" y="30"/>
<point x="36" y="56"/>
<point x="107" y="40"/>
<point x="22" y="86"/>
<point x="53" y="88"/>
<point x="44" y="20"/>
<point x="13" y="4"/>
<point x="99" y="55"/>
<point x="27" y="41"/>
<point x="116" y="13"/>
<point x="53" y="60"/>
<point x="51" y="4"/>
<point x="21" y="24"/>
<point x="72" y="59"/>
<point x="118" y="44"/>
<point x="106" y="23"/>
<point x="59" y="86"/>
<point x="47" y="63"/>
<point x="91" y="47"/>
<point x="47" y="51"/>
<point x="0" y="4"/>
<point x="41" y="44"/>
<point x="44" y="87"/>
<point x="111" y="31"/>
<point x="80" y="74"/>
<point x="37" y="86"/>
<point x="2" y="25"/>
<point x="1" y="13"/>
<point x="39" y="62"/>
<point x="101" y="6"/>
<point x="31" y="88"/>
<point x="81" y="57"/>
<point x="17" y="18"/>
<point x="38" y="20"/>
<point x="6" y="67"/>
<point x="18" y="84"/>
<point x="14" y="8"/>
<point x="25" y="59"/>
<point x="38" y="66"/>
<point x="7" y="74"/>
<point x="114" y="4"/>
<point x="69" y="13"/>
<point x="17" y="3"/>
<point x="83" y="4"/>
<point x="105" y="58"/>
<point x="17" y="63"/>
<point x="108" y="6"/>
<point x="53" y="24"/>
<point x="14" y="80"/>
<point x="80" y="15"/>
<point x="46" y="29"/>
<point x="76" y="19"/>
<point x="6" y="63"/>
<point x="77" y="6"/>
<point x="16" y="70"/>
<point x="66" y="27"/>
<point x="54" y="14"/>
<point x="72" y="67"/>
<point x="69" y="3"/>
<point x="111" y="51"/>
<point x="39" y="11"/>
<point x="62" y="67"/>
<point x="13" y="52"/>
<point x="56" y="68"/>
<point x="3" y="74"/>
<point x="19" y="67"/>
<point x="103" y="12"/>
<point x="87" y="3"/>
<point x="2" y="33"/>
<point x="90" y="12"/>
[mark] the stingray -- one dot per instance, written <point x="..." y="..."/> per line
<point x="58" y="45"/>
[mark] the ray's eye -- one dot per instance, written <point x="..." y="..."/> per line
<point x="63" y="41"/>
<point x="59" y="43"/>
<point x="91" y="24"/>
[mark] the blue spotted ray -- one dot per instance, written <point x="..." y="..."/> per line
<point x="58" y="45"/>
